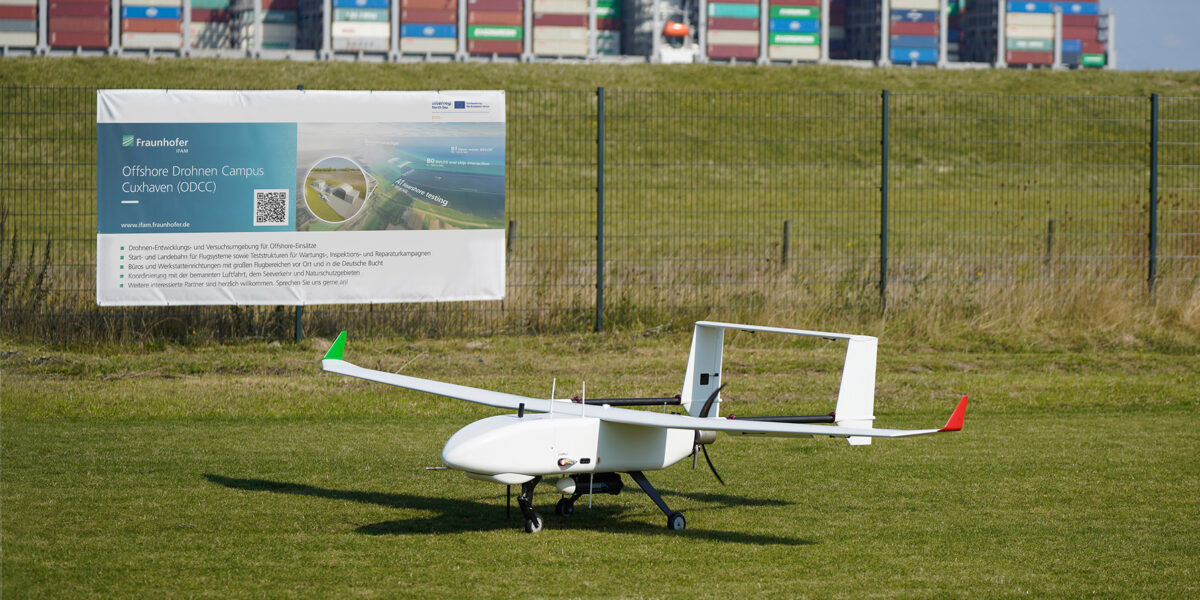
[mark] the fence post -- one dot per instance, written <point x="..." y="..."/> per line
<point x="599" y="208"/>
<point x="883" y="202"/>
<point x="1153" y="266"/>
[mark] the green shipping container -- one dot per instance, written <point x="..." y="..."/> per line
<point x="1094" y="60"/>
<point x="608" y="12"/>
<point x="741" y="11"/>
<point x="495" y="32"/>
<point x="286" y="17"/>
<point x="361" y="15"/>
<point x="795" y="12"/>
<point x="1032" y="44"/>
<point x="210" y="4"/>
<point x="795" y="39"/>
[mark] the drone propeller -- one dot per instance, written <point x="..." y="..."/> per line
<point x="703" y="438"/>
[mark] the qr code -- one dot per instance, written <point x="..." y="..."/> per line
<point x="270" y="207"/>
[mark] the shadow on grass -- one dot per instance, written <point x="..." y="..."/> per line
<point x="458" y="516"/>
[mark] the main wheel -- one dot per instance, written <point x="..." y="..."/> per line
<point x="533" y="525"/>
<point x="564" y="508"/>
<point x="676" y="522"/>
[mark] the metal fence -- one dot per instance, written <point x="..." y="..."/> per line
<point x="639" y="207"/>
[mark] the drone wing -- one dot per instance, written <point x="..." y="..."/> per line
<point x="333" y="363"/>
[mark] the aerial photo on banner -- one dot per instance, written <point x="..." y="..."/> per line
<point x="299" y="197"/>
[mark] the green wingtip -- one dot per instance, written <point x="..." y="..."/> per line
<point x="335" y="351"/>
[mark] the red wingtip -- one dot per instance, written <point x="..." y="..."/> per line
<point x="956" y="419"/>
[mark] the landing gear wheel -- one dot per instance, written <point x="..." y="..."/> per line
<point x="534" y="525"/>
<point x="676" y="522"/>
<point x="564" y="508"/>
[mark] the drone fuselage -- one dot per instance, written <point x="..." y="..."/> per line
<point x="514" y="449"/>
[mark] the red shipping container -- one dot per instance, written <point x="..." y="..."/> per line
<point x="560" y="20"/>
<point x="733" y="23"/>
<point x="1029" y="57"/>
<point x="210" y="15"/>
<point x="795" y="2"/>
<point x="437" y="17"/>
<point x="77" y="9"/>
<point x="738" y="52"/>
<point x="1087" y="34"/>
<point x="150" y="25"/>
<point x="1092" y="21"/>
<point x="432" y="4"/>
<point x="18" y="12"/>
<point x="75" y="39"/>
<point x="279" y="4"/>
<point x="905" y="28"/>
<point x="1094" y="48"/>
<point x="491" y="17"/>
<point x="608" y="24"/>
<point x="78" y="25"/>
<point x="509" y="47"/>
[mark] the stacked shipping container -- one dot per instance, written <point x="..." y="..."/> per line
<point x="279" y="24"/>
<point x="837" y="30"/>
<point x="18" y="23"/>
<point x="429" y="26"/>
<point x="78" y="23"/>
<point x="560" y="27"/>
<point x="608" y="27"/>
<point x="1029" y="33"/>
<point x="794" y="30"/>
<point x="496" y="27"/>
<point x="1082" y="40"/>
<point x="914" y="30"/>
<point x="210" y="24"/>
<point x="361" y="26"/>
<point x="733" y="29"/>
<point x="152" y="24"/>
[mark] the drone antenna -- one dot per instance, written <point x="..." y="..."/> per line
<point x="553" y="382"/>
<point x="583" y="400"/>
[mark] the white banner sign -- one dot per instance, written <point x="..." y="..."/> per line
<point x="299" y="197"/>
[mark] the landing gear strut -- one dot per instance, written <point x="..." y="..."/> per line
<point x="566" y="506"/>
<point x="675" y="520"/>
<point x="533" y="521"/>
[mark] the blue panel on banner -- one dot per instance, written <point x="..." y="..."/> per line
<point x="911" y="55"/>
<point x="1072" y="46"/>
<point x="1031" y="7"/>
<point x="1079" y="8"/>
<point x="915" y="41"/>
<point x="360" y="3"/>
<point x="796" y="25"/>
<point x="429" y="31"/>
<point x="915" y="16"/>
<point x="150" y="12"/>
<point x="193" y="177"/>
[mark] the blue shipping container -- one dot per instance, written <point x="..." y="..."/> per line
<point x="1072" y="58"/>
<point x="429" y="31"/>
<point x="1031" y="7"/>
<point x="796" y="25"/>
<point x="915" y="41"/>
<point x="1079" y="8"/>
<point x="360" y="3"/>
<point x="1072" y="46"/>
<point x="954" y="35"/>
<point x="837" y="44"/>
<point x="915" y="16"/>
<point x="914" y="55"/>
<point x="150" y="12"/>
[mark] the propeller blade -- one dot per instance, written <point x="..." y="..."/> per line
<point x="710" y="465"/>
<point x="708" y="403"/>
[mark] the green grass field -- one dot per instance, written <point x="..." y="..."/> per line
<point x="242" y="471"/>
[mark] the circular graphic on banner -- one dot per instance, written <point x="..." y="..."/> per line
<point x="335" y="189"/>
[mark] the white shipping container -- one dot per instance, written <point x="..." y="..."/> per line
<point x="916" y="4"/>
<point x="17" y="39"/>
<point x="357" y="29"/>
<point x="361" y="44"/>
<point x="792" y="52"/>
<point x="430" y="45"/>
<point x="18" y="2"/>
<point x="209" y="35"/>
<point x="561" y="7"/>
<point x="1029" y="32"/>
<point x="555" y="32"/>
<point x="141" y="41"/>
<point x="1043" y="19"/>
<point x="837" y="32"/>
<point x="560" y="47"/>
<point x="730" y="37"/>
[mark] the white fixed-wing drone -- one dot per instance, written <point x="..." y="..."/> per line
<point x="589" y="442"/>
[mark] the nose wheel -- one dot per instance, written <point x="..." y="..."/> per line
<point x="566" y="506"/>
<point x="533" y="521"/>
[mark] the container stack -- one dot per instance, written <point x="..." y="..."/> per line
<point x="496" y="27"/>
<point x="279" y="24"/>
<point x="18" y="24"/>
<point x="608" y="27"/>
<point x="429" y="26"/>
<point x="77" y="23"/>
<point x="733" y="30"/>
<point x="1083" y="41"/>
<point x="864" y="26"/>
<point x="361" y="26"/>
<point x="560" y="27"/>
<point x="1029" y="33"/>
<point x="954" y="30"/>
<point x="915" y="33"/>
<point x="794" y="30"/>
<point x="837" y="30"/>
<point x="210" y="24"/>
<point x="152" y="24"/>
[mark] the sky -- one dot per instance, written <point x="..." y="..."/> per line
<point x="1156" y="34"/>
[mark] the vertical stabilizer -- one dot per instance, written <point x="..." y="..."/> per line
<point x="856" y="397"/>
<point x="703" y="375"/>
